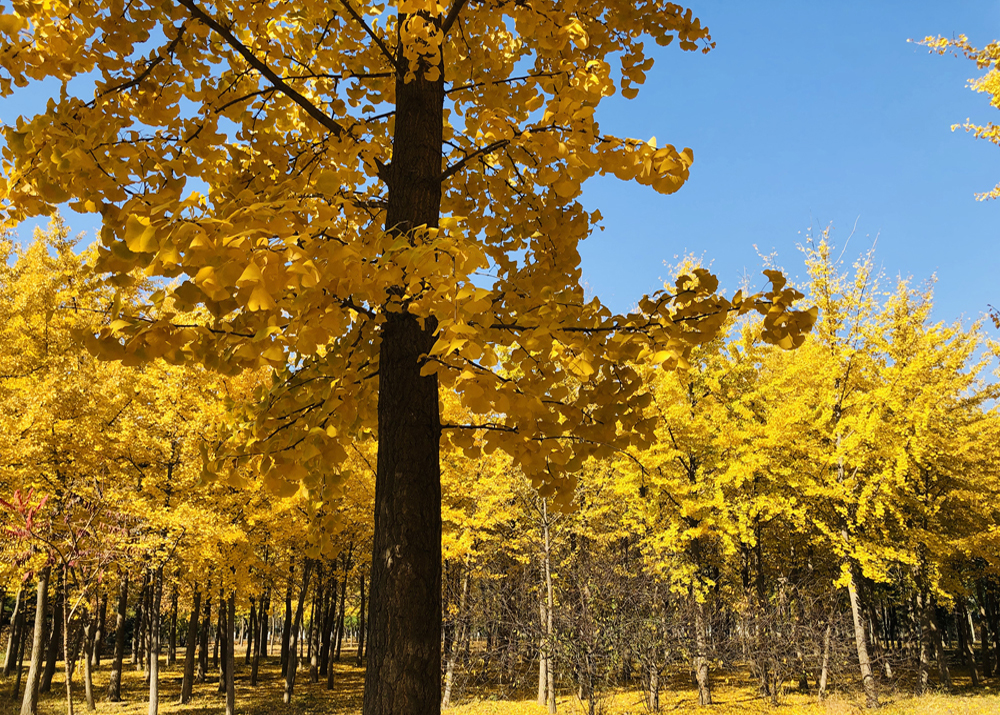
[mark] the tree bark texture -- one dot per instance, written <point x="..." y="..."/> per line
<point x="29" y="705"/>
<point x="293" y="640"/>
<point x="115" y="681"/>
<point x="156" y="596"/>
<point x="404" y="650"/>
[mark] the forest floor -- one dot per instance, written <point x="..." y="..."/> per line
<point x="732" y="693"/>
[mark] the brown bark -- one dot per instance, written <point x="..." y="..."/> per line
<point x="404" y="657"/>
<point x="294" y="636"/>
<point x="262" y="630"/>
<point x="19" y="668"/>
<point x="187" y="683"/>
<point x="172" y="637"/>
<point x="967" y="637"/>
<point x="449" y="676"/>
<point x="860" y="641"/>
<point x="361" y="621"/>
<point x="14" y="638"/>
<point x="286" y="625"/>
<point x="206" y="625"/>
<point x="343" y="608"/>
<point x="230" y="656"/>
<point x="251" y="632"/>
<point x="101" y="633"/>
<point x="55" y="637"/>
<point x="29" y="705"/>
<point x="156" y="596"/>
<point x="90" y="631"/>
<point x="115" y="681"/>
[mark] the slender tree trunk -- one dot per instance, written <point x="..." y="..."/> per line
<point x="187" y="683"/>
<point x="700" y="660"/>
<point x="449" y="676"/>
<point x="329" y="616"/>
<point x="825" y="668"/>
<point x="265" y="602"/>
<point x="101" y="633"/>
<point x="172" y="642"/>
<point x="69" y="657"/>
<point x="361" y="620"/>
<point x="923" y="663"/>
<point x="55" y="637"/>
<point x="944" y="676"/>
<point x="218" y="664"/>
<point x="286" y="625"/>
<point x="293" y="639"/>
<point x="90" y="630"/>
<point x="231" y="656"/>
<point x="115" y="682"/>
<point x="860" y="640"/>
<point x="550" y="670"/>
<point x="316" y="625"/>
<point x="251" y="632"/>
<point x="221" y="641"/>
<point x="140" y="622"/>
<point x="206" y="625"/>
<point x="341" y="616"/>
<point x="29" y="705"/>
<point x="14" y="638"/>
<point x="156" y="596"/>
<point x="543" y="674"/>
<point x="968" y="633"/>
<point x="19" y="668"/>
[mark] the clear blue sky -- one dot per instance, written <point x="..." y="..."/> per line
<point x="806" y="114"/>
<point x="809" y="114"/>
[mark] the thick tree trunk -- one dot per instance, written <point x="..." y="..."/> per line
<point x="449" y="675"/>
<point x="187" y="683"/>
<point x="156" y="596"/>
<point x="294" y="638"/>
<point x="206" y="625"/>
<point x="404" y="658"/>
<point x="115" y="682"/>
<point x="29" y="705"/>
<point x="14" y="638"/>
<point x="860" y="641"/>
<point x="231" y="655"/>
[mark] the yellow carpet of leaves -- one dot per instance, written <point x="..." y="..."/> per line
<point x="732" y="697"/>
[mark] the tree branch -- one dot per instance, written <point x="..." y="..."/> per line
<point x="371" y="33"/>
<point x="311" y="109"/>
<point x="452" y="16"/>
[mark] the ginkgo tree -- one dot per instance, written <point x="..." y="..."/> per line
<point x="372" y="198"/>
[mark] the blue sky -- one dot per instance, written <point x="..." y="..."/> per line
<point x="806" y="115"/>
<point x="811" y="114"/>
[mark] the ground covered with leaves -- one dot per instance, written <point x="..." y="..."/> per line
<point x="733" y="693"/>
